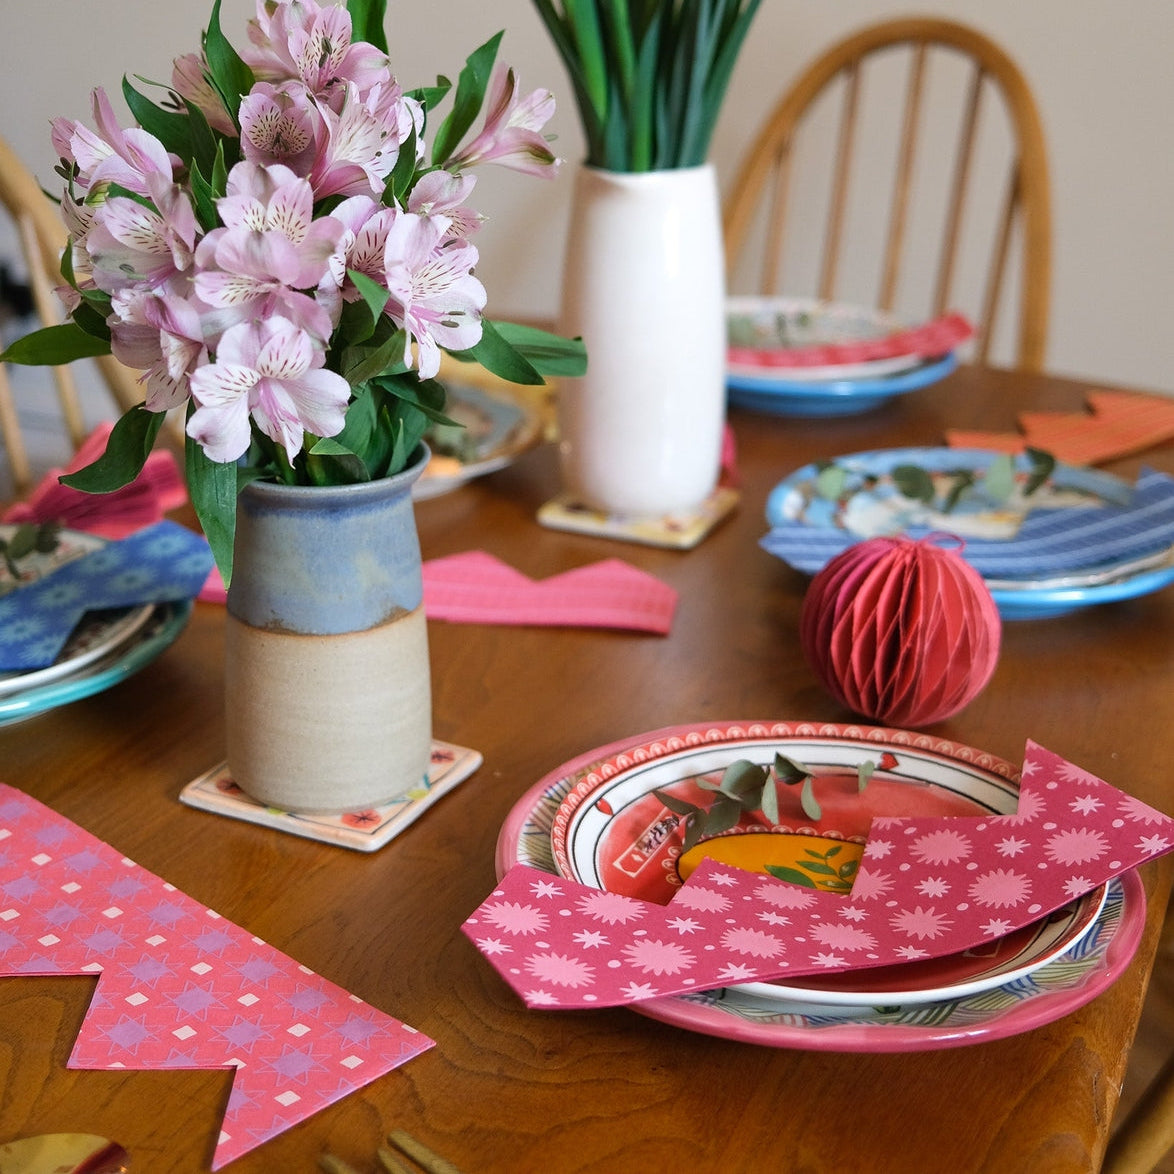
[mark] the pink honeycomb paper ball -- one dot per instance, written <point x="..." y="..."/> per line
<point x="903" y="632"/>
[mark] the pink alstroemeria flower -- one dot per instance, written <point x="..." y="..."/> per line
<point x="189" y="79"/>
<point x="270" y="249"/>
<point x="299" y="39"/>
<point x="271" y="371"/>
<point x="357" y="146"/>
<point x="434" y="294"/>
<point x="112" y="155"/>
<point x="442" y="194"/>
<point x="279" y="124"/>
<point x="131" y="244"/>
<point x="162" y="335"/>
<point x="510" y="136"/>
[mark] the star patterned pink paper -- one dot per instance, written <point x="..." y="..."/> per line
<point x="926" y="887"/>
<point x="178" y="985"/>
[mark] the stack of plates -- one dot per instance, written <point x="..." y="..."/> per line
<point x="1084" y="538"/>
<point x="761" y="376"/>
<point x="106" y="647"/>
<point x="596" y="820"/>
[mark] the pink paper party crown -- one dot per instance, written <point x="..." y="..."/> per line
<point x="926" y="887"/>
<point x="180" y="987"/>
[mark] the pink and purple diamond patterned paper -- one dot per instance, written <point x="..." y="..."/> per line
<point x="178" y="985"/>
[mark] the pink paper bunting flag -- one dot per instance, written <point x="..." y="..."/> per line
<point x="474" y="587"/>
<point x="926" y="887"/>
<point x="1118" y="424"/>
<point x="180" y="987"/>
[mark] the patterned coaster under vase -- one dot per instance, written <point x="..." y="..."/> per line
<point x="365" y="831"/>
<point x="681" y="531"/>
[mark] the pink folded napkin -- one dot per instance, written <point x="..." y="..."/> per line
<point x="937" y="337"/>
<point x="476" y="588"/>
<point x="157" y="489"/>
<point x="1118" y="424"/>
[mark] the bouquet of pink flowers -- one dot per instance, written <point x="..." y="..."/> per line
<point x="277" y="249"/>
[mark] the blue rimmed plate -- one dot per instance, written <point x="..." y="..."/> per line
<point x="1086" y="538"/>
<point x="780" y="396"/>
<point x="160" y="631"/>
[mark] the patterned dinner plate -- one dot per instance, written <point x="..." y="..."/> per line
<point x="612" y="831"/>
<point x="97" y="634"/>
<point x="1102" y="935"/>
<point x="761" y="331"/>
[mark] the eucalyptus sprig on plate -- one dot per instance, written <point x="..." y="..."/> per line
<point x="746" y="787"/>
<point x="994" y="484"/>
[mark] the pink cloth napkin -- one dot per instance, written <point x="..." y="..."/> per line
<point x="938" y="337"/>
<point x="476" y="588"/>
<point x="157" y="489"/>
<point x="1118" y="423"/>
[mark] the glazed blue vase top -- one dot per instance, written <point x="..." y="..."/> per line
<point x="320" y="560"/>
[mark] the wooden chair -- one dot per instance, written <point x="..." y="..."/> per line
<point x="928" y="199"/>
<point x="42" y="237"/>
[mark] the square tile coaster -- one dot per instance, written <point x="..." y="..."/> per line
<point x="680" y="531"/>
<point x="365" y="831"/>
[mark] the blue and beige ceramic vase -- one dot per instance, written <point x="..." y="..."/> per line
<point x="328" y="692"/>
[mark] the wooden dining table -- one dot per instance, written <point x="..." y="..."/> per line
<point x="507" y="1090"/>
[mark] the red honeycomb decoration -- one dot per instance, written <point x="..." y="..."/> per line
<point x="903" y="632"/>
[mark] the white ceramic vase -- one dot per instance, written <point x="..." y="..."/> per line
<point x="644" y="284"/>
<point x="328" y="691"/>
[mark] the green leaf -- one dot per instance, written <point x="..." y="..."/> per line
<point x="549" y="354"/>
<point x="742" y="776"/>
<point x="170" y="127"/>
<point x="231" y="77"/>
<point x="374" y="298"/>
<point x="693" y="830"/>
<point x="1043" y="465"/>
<point x="331" y="463"/>
<point x="831" y="481"/>
<point x="127" y="449"/>
<point x="722" y="816"/>
<point x="999" y="482"/>
<point x="675" y="805"/>
<point x="367" y="22"/>
<point x="213" y="488"/>
<point x="817" y="868"/>
<point x="93" y="321"/>
<point x="365" y="363"/>
<point x="789" y="771"/>
<point x="791" y="876"/>
<point x="913" y="482"/>
<point x="864" y="773"/>
<point x="961" y="482"/>
<point x="808" y="801"/>
<point x="54" y="346"/>
<point x="769" y="801"/>
<point x="497" y="355"/>
<point x="470" y="94"/>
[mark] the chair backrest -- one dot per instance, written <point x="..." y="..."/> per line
<point x="926" y="186"/>
<point x="42" y="236"/>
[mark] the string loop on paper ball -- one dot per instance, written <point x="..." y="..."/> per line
<point x="903" y="632"/>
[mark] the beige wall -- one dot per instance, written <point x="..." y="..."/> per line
<point x="1103" y="73"/>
